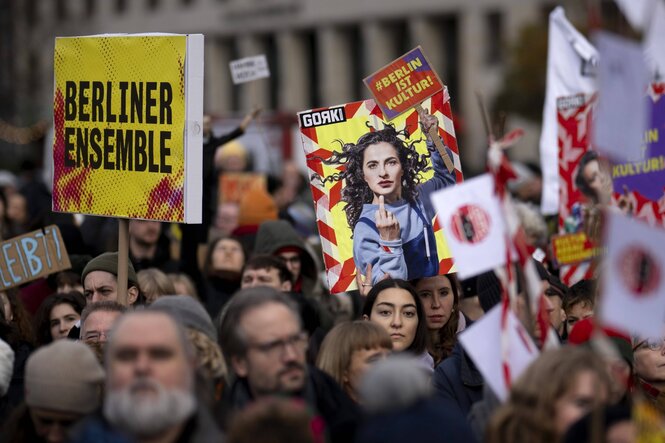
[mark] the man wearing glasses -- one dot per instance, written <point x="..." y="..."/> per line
<point x="263" y="343"/>
<point x="97" y="319"/>
<point x="650" y="369"/>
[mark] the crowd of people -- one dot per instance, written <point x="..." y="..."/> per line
<point x="227" y="332"/>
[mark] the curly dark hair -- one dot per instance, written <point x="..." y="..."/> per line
<point x="580" y="181"/>
<point x="356" y="192"/>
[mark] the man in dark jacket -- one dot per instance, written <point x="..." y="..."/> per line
<point x="150" y="385"/>
<point x="264" y="345"/>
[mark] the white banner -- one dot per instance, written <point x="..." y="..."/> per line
<point x="571" y="64"/>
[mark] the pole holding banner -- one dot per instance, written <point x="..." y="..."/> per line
<point x="123" y="259"/>
<point x="434" y="136"/>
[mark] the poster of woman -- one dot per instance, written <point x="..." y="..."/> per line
<point x="371" y="180"/>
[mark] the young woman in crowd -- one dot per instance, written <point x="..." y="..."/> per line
<point x="559" y="388"/>
<point x="57" y="314"/>
<point x="349" y="349"/>
<point x="395" y="306"/>
<point x="440" y="298"/>
<point x="222" y="271"/>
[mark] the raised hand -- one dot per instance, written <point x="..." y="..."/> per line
<point x="386" y="222"/>
<point x="427" y="120"/>
<point x="364" y="282"/>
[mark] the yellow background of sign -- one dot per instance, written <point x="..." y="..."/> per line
<point x="148" y="195"/>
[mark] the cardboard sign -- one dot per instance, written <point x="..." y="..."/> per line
<point x="633" y="281"/>
<point x="249" y="68"/>
<point x="403" y="83"/>
<point x="127" y="116"/>
<point x="232" y="186"/>
<point x="470" y="215"/>
<point x="31" y="256"/>
<point x="344" y="206"/>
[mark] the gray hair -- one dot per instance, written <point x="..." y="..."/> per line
<point x="187" y="347"/>
<point x="395" y="383"/>
<point x="232" y="338"/>
<point x="103" y="306"/>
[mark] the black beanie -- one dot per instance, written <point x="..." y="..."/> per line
<point x="108" y="262"/>
<point x="489" y="290"/>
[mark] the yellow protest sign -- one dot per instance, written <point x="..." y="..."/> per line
<point x="127" y="108"/>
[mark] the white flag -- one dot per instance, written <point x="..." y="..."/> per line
<point x="482" y="341"/>
<point x="571" y="63"/>
<point x="648" y="16"/>
<point x="470" y="216"/>
<point x="633" y="289"/>
<point x="621" y="113"/>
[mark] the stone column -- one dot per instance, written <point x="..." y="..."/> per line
<point x="472" y="49"/>
<point x="254" y="93"/>
<point x="217" y="98"/>
<point x="334" y="66"/>
<point x="430" y="37"/>
<point x="379" y="48"/>
<point x="293" y="63"/>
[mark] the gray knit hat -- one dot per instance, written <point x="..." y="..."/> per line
<point x="189" y="311"/>
<point x="108" y="262"/>
<point x="64" y="376"/>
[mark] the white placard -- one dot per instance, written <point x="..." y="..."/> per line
<point x="482" y="342"/>
<point x="471" y="219"/>
<point x="249" y="68"/>
<point x="633" y="281"/>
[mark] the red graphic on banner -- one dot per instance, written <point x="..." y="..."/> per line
<point x="470" y="224"/>
<point x="640" y="271"/>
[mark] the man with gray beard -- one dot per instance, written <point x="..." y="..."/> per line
<point x="150" y="385"/>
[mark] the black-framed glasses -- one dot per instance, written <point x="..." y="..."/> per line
<point x="277" y="348"/>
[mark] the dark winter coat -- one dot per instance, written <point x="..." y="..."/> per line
<point x="456" y="379"/>
<point x="322" y="394"/>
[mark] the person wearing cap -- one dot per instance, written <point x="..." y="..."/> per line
<point x="100" y="280"/>
<point x="150" y="385"/>
<point x="200" y="331"/>
<point x="63" y="384"/>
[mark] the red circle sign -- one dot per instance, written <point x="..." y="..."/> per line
<point x="470" y="224"/>
<point x="639" y="270"/>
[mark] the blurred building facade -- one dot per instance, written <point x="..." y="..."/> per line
<point x="318" y="50"/>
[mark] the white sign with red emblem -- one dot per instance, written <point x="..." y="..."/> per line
<point x="633" y="289"/>
<point x="470" y="215"/>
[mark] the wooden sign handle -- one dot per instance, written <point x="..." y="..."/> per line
<point x="123" y="259"/>
<point x="434" y="136"/>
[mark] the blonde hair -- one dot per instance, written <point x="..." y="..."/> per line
<point x="186" y="281"/>
<point x="529" y="414"/>
<point x="154" y="284"/>
<point x="345" y="338"/>
<point x="208" y="355"/>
